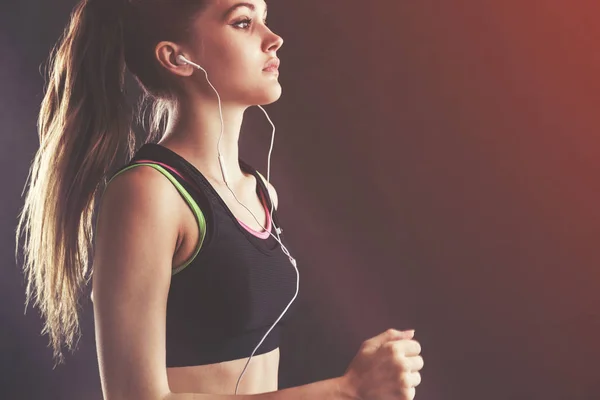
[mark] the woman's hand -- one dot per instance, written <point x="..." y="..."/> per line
<point x="386" y="368"/>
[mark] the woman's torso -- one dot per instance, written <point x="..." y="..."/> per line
<point x="221" y="377"/>
<point x="261" y="375"/>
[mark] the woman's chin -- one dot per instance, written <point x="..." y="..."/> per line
<point x="269" y="96"/>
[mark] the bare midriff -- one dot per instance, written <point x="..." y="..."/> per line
<point x="261" y="376"/>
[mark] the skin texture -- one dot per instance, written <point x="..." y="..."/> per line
<point x="145" y="228"/>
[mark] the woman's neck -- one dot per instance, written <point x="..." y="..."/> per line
<point x="193" y="132"/>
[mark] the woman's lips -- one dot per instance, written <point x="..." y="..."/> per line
<point x="272" y="65"/>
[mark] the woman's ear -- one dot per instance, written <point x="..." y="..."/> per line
<point x="166" y="53"/>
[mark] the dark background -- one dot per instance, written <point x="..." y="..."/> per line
<point x="437" y="167"/>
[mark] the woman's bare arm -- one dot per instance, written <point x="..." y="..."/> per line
<point x="136" y="237"/>
<point x="137" y="234"/>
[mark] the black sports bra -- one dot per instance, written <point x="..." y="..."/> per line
<point x="224" y="299"/>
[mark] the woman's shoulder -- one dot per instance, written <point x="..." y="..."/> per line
<point x="139" y="197"/>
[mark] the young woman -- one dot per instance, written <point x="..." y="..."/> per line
<point x="192" y="279"/>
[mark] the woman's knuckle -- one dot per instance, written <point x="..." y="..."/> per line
<point x="404" y="380"/>
<point x="405" y="364"/>
<point x="418" y="347"/>
<point x="417" y="379"/>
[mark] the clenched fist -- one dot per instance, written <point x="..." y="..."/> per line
<point x="386" y="367"/>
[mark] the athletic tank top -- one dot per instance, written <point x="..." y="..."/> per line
<point x="224" y="299"/>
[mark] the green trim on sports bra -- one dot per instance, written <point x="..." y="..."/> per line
<point x="188" y="198"/>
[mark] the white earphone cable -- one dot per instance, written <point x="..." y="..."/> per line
<point x="277" y="230"/>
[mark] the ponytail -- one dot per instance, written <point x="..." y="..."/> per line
<point x="84" y="126"/>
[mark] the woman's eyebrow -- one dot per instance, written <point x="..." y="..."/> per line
<point x="251" y="6"/>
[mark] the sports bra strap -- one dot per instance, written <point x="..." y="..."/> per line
<point x="186" y="196"/>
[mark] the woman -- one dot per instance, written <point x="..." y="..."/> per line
<point x="190" y="273"/>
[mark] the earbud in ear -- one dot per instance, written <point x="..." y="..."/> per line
<point x="181" y="60"/>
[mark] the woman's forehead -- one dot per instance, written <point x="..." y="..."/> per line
<point x="230" y="5"/>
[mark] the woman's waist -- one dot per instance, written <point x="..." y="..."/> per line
<point x="261" y="376"/>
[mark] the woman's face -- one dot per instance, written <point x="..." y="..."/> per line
<point x="231" y="41"/>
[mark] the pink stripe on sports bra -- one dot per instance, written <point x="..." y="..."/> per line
<point x="262" y="235"/>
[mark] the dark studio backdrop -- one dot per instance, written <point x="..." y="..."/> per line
<point x="437" y="164"/>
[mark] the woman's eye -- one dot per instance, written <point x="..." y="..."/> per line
<point x="247" y="21"/>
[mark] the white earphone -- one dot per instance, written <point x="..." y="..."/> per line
<point x="181" y="60"/>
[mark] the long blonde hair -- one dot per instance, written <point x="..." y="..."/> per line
<point x="84" y="127"/>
